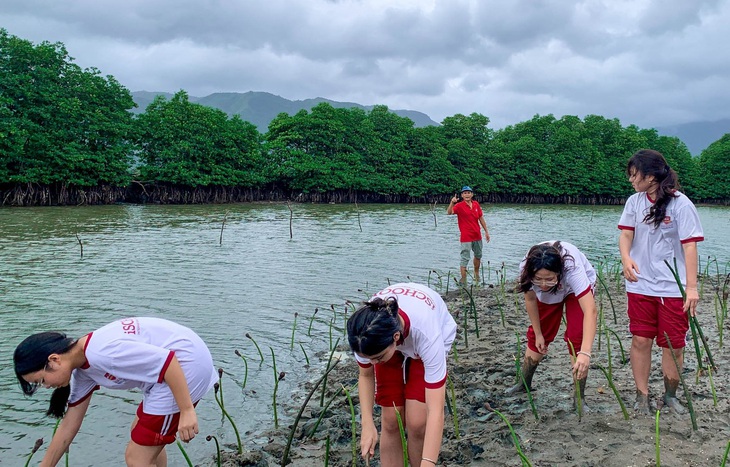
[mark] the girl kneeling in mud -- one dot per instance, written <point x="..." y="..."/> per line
<point x="168" y="362"/>
<point x="401" y="339"/>
<point x="557" y="276"/>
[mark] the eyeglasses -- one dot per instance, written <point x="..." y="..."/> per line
<point x="544" y="282"/>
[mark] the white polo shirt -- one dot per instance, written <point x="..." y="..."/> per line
<point x="135" y="353"/>
<point x="651" y="246"/>
<point x="429" y="329"/>
<point x="578" y="276"/>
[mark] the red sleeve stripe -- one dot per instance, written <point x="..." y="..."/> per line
<point x="584" y="292"/>
<point x="435" y="385"/>
<point x="691" y="239"/>
<point x="165" y="366"/>
<point x="626" y="227"/>
<point x="84" y="398"/>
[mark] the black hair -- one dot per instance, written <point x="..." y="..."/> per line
<point x="649" y="162"/>
<point x="32" y="354"/>
<point x="543" y="256"/>
<point x="371" y="328"/>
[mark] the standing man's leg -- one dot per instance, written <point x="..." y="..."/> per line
<point x="465" y="256"/>
<point x="477" y="247"/>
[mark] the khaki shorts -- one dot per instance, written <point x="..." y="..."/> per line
<point x="467" y="248"/>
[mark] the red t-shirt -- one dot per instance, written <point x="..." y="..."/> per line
<point x="469" y="220"/>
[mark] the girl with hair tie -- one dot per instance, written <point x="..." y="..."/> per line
<point x="401" y="339"/>
<point x="658" y="223"/>
<point x="557" y="276"/>
<point x="168" y="362"/>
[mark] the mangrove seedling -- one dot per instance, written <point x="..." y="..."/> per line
<point x="454" y="415"/>
<point x="293" y="330"/>
<point x="353" y="426"/>
<point x="216" y="388"/>
<point x="326" y="452"/>
<point x="36" y="447"/>
<point x="285" y="456"/>
<point x="277" y="377"/>
<point x="515" y="440"/>
<point x="615" y="391"/>
<point x="311" y="320"/>
<point x="220" y="384"/>
<point x="724" y="458"/>
<point x="656" y="439"/>
<point x="693" y="323"/>
<point x="217" y="449"/>
<point x="306" y="357"/>
<point x="687" y="394"/>
<point x="323" y="412"/>
<point x="245" y="368"/>
<point x="324" y="383"/>
<point x="402" y="431"/>
<point x="258" y="349"/>
<point x="185" y="454"/>
<point x="223" y="225"/>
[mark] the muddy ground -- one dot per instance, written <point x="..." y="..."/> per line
<point x="484" y="367"/>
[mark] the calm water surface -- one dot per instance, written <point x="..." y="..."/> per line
<point x="167" y="261"/>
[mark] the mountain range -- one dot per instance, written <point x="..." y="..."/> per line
<point x="260" y="108"/>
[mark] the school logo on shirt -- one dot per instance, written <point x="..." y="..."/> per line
<point x="667" y="220"/>
<point x="129" y="326"/>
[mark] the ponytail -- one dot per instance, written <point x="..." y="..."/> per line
<point x="371" y="328"/>
<point x="59" y="402"/>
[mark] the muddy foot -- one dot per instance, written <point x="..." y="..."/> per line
<point x="674" y="404"/>
<point x="518" y="388"/>
<point x="641" y="405"/>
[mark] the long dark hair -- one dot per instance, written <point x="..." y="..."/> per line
<point x="32" y="354"/>
<point x="371" y="328"/>
<point x="543" y="256"/>
<point x="649" y="162"/>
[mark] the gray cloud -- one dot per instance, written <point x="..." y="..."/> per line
<point x="648" y="62"/>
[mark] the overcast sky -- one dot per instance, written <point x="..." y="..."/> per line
<point x="646" y="62"/>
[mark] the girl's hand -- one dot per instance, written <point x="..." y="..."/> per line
<point x="580" y="367"/>
<point x="540" y="344"/>
<point x="188" y="426"/>
<point x="630" y="270"/>
<point x="368" y="440"/>
<point x="691" y="300"/>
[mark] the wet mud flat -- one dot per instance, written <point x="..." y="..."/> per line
<point x="482" y="368"/>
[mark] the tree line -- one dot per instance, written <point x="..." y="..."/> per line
<point x="67" y="136"/>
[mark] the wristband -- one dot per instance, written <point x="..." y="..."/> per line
<point x="580" y="352"/>
<point x="429" y="460"/>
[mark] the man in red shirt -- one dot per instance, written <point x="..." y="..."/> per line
<point x="469" y="215"/>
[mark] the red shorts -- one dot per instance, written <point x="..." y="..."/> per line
<point x="550" y="317"/>
<point x="651" y="317"/>
<point x="155" y="430"/>
<point x="390" y="388"/>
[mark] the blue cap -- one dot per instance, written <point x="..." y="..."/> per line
<point x="466" y="188"/>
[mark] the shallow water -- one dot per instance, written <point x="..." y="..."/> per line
<point x="168" y="261"/>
